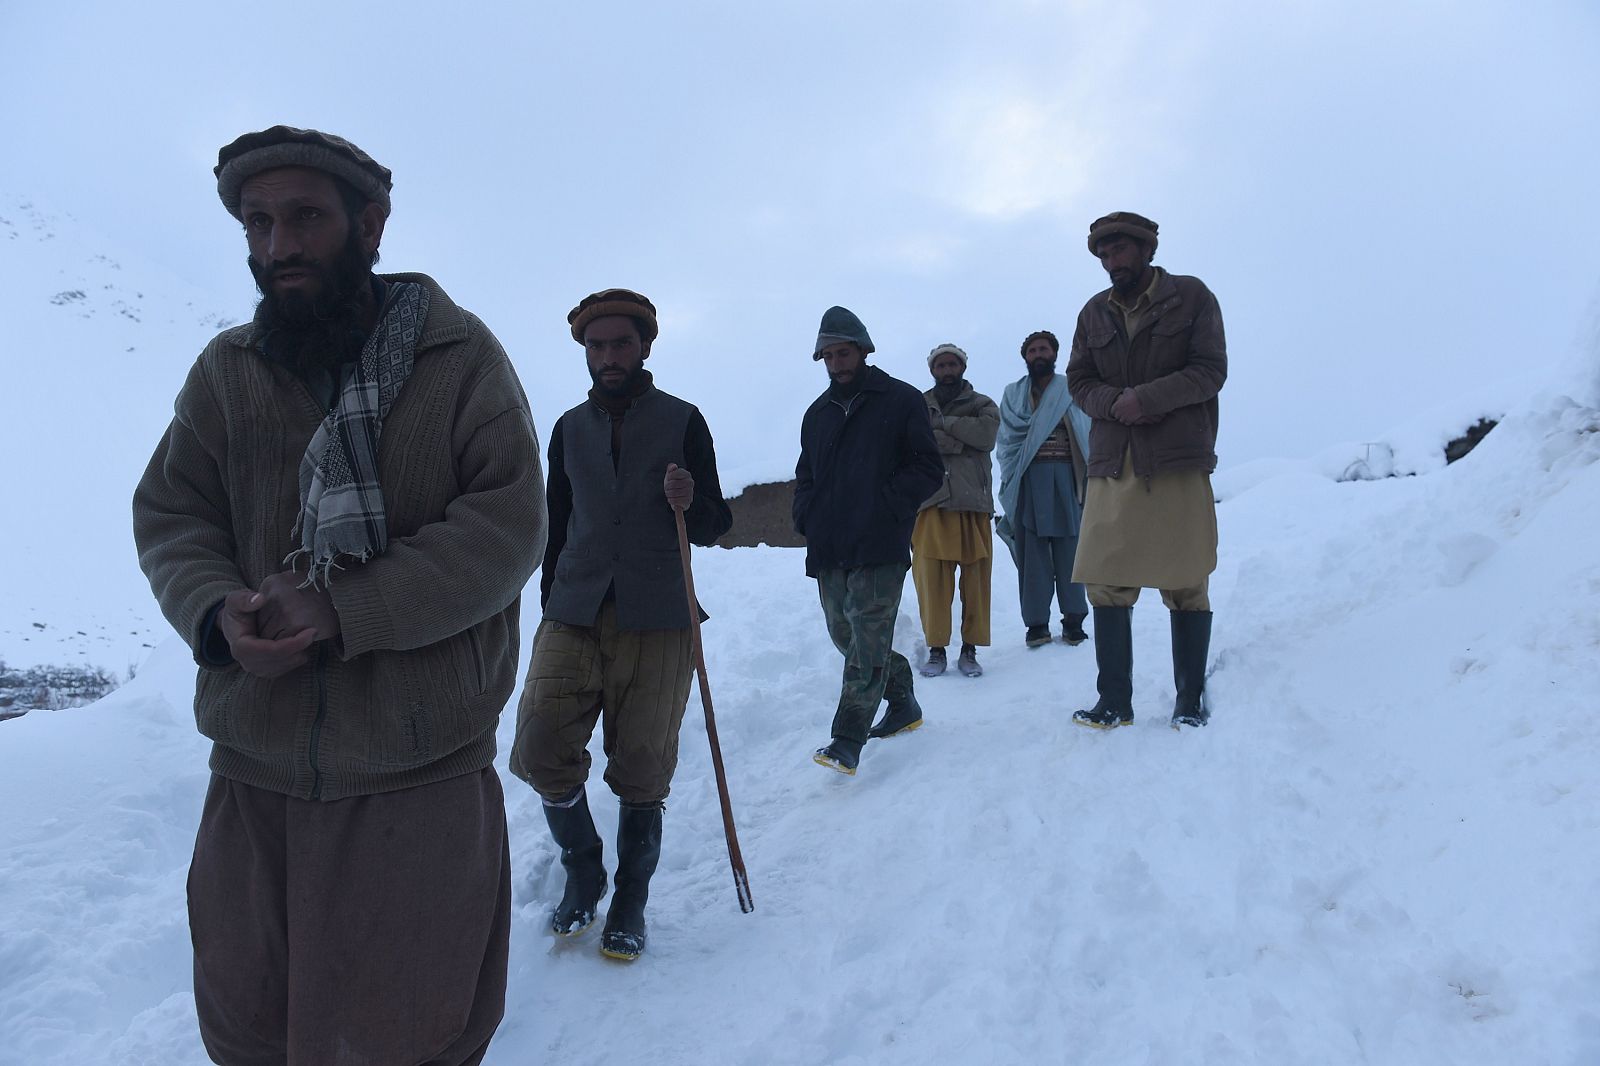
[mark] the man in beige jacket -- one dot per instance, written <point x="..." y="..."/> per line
<point x="339" y="521"/>
<point x="953" y="529"/>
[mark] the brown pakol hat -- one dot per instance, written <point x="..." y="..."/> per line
<point x="1124" y="222"/>
<point x="288" y="146"/>
<point x="614" y="302"/>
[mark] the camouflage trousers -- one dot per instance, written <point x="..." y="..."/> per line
<point x="860" y="605"/>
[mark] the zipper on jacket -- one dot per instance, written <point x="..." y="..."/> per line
<point x="477" y="661"/>
<point x="320" y="672"/>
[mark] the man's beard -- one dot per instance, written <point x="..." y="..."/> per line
<point x="1039" y="369"/>
<point x="949" y="381"/>
<point x="326" y="328"/>
<point x="1127" y="284"/>
<point x="628" y="386"/>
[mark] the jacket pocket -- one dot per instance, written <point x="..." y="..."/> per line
<point x="418" y="707"/>
<point x="1105" y="355"/>
<point x="226" y="711"/>
<point x="479" y="670"/>
<point x="1169" y="343"/>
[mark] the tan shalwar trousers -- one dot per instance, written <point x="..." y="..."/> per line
<point x="634" y="681"/>
<point x="941" y="541"/>
<point x="1194" y="598"/>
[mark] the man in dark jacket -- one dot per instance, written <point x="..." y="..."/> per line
<point x="867" y="461"/>
<point x="1148" y="359"/>
<point x="616" y="637"/>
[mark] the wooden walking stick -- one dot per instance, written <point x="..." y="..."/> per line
<point x="741" y="880"/>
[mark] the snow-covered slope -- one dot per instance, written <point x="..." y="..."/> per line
<point x="96" y="347"/>
<point x="1386" y="848"/>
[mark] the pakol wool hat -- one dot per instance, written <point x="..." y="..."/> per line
<point x="948" y="349"/>
<point x="286" y="146"/>
<point x="1126" y="223"/>
<point x="614" y="302"/>
<point x="841" y="324"/>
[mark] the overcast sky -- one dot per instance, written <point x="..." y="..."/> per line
<point x="1389" y="199"/>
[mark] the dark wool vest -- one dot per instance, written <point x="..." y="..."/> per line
<point x="622" y="533"/>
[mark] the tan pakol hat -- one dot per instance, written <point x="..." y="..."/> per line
<point x="614" y="302"/>
<point x="947" y="349"/>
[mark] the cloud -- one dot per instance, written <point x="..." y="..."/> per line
<point x="1013" y="154"/>
<point x="1041" y="128"/>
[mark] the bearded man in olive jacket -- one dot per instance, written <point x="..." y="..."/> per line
<point x="867" y="461"/>
<point x="616" y="640"/>
<point x="1148" y="359"/>
<point x="339" y="521"/>
<point x="953" y="528"/>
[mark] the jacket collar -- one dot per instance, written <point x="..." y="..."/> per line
<point x="876" y="380"/>
<point x="1162" y="297"/>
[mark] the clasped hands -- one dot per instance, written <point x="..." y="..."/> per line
<point x="1126" y="409"/>
<point x="270" y="630"/>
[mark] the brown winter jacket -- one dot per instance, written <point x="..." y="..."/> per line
<point x="965" y="430"/>
<point x="1176" y="364"/>
<point x="412" y="690"/>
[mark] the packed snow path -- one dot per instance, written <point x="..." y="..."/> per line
<point x="1385" y="849"/>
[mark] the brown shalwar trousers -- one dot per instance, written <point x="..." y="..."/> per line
<point x="371" y="930"/>
<point x="637" y="678"/>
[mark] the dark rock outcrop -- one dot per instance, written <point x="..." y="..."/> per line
<point x="762" y="515"/>
<point x="1468" y="440"/>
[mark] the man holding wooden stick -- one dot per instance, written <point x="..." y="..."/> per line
<point x="616" y="641"/>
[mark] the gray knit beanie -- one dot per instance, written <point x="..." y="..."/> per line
<point x="948" y="349"/>
<point x="287" y="146"/>
<point x="841" y="324"/>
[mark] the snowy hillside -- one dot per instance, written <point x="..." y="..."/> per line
<point x="1386" y="848"/>
<point x="107" y="354"/>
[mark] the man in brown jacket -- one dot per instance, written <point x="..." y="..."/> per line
<point x="339" y="521"/>
<point x="953" y="528"/>
<point x="1148" y="359"/>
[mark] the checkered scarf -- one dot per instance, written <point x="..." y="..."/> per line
<point x="341" y="502"/>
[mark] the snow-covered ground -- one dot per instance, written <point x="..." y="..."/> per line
<point x="1385" y="849"/>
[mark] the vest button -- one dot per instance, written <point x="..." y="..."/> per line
<point x="616" y="521"/>
<point x="616" y="557"/>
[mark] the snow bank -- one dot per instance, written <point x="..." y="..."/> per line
<point x="1383" y="850"/>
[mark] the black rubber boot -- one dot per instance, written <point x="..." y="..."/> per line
<point x="1072" y="629"/>
<point x="638" y="851"/>
<point x="1113" y="654"/>
<point x="902" y="716"/>
<point x="581" y="854"/>
<point x="839" y="754"/>
<point x="1191" y="642"/>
